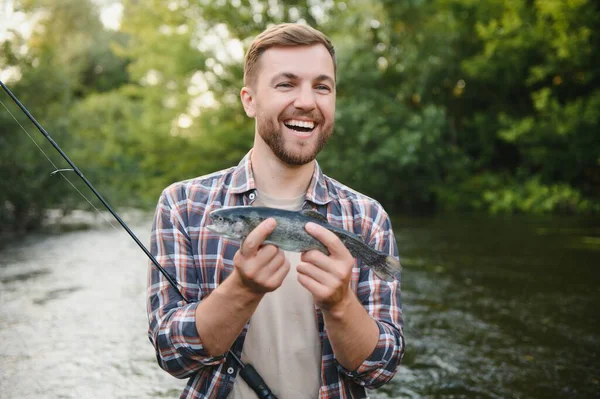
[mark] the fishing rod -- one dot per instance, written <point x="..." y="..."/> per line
<point x="247" y="371"/>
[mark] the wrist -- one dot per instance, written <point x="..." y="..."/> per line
<point x="241" y="290"/>
<point x="341" y="309"/>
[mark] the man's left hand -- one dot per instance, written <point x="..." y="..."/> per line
<point x="353" y="333"/>
<point x="326" y="277"/>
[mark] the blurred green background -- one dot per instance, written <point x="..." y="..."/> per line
<point x="443" y="105"/>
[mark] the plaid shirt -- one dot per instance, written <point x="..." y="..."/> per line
<point x="200" y="260"/>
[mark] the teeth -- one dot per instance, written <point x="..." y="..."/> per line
<point x="304" y="124"/>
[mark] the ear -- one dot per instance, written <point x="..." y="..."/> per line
<point x="247" y="97"/>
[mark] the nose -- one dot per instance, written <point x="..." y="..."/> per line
<point x="306" y="98"/>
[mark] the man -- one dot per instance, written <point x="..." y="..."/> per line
<point x="313" y="325"/>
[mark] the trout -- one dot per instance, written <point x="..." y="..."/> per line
<point x="289" y="234"/>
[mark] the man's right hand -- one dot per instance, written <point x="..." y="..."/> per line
<point x="260" y="268"/>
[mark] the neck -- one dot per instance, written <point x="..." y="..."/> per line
<point x="276" y="178"/>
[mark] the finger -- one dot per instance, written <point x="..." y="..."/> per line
<point x="265" y="254"/>
<point x="316" y="273"/>
<point x="270" y="276"/>
<point x="327" y="238"/>
<point x="279" y="274"/>
<point x="251" y="266"/>
<point x="319" y="259"/>
<point x="253" y="269"/>
<point x="273" y="264"/>
<point x="317" y="289"/>
<point x="257" y="236"/>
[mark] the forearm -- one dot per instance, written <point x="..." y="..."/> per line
<point x="221" y="316"/>
<point x="352" y="332"/>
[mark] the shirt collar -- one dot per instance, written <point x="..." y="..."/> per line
<point x="243" y="181"/>
<point x="317" y="191"/>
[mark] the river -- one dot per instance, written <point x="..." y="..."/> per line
<point x="494" y="307"/>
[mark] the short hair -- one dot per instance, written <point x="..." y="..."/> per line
<point x="284" y="35"/>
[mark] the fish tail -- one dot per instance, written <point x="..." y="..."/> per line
<point x="385" y="266"/>
<point x="388" y="267"/>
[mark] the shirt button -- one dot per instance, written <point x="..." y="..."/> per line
<point x="230" y="370"/>
<point x="251" y="196"/>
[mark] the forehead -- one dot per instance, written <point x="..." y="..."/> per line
<point x="306" y="62"/>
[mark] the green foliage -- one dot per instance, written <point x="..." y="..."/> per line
<point x="534" y="197"/>
<point x="541" y="59"/>
<point x="518" y="82"/>
<point x="501" y="193"/>
<point x="67" y="54"/>
<point x="446" y="104"/>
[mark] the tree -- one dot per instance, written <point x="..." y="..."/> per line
<point x="67" y="56"/>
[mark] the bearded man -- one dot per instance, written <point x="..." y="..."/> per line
<point x="313" y="325"/>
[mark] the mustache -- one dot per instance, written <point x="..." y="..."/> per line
<point x="314" y="116"/>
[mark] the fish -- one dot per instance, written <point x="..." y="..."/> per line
<point x="237" y="222"/>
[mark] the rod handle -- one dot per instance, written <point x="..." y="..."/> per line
<point x="255" y="381"/>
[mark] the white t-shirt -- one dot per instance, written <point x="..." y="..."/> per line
<point x="282" y="342"/>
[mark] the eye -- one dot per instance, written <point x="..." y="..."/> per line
<point x="284" y="85"/>
<point x="323" y="88"/>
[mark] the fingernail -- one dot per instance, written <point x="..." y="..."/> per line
<point x="310" y="226"/>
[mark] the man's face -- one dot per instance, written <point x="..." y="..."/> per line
<point x="293" y="101"/>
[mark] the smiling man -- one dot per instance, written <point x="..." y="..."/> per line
<point x="293" y="108"/>
<point x="313" y="325"/>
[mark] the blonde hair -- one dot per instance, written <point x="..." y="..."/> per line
<point x="284" y="35"/>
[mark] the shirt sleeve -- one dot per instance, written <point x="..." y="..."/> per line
<point x="172" y="324"/>
<point x="382" y="300"/>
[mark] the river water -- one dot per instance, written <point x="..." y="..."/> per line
<point x="495" y="307"/>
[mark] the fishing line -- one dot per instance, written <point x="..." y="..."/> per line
<point x="247" y="371"/>
<point x="56" y="169"/>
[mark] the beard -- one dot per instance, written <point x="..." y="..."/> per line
<point x="274" y="137"/>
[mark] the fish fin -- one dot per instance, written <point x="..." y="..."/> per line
<point x="388" y="269"/>
<point x="311" y="213"/>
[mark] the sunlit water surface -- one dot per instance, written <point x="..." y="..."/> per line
<point x="494" y="308"/>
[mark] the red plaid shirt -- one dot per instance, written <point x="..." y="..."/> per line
<point x="200" y="260"/>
